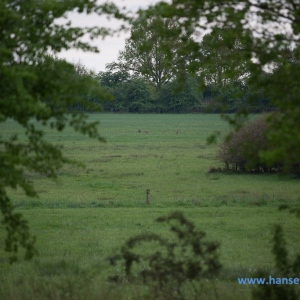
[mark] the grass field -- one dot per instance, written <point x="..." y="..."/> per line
<point x="87" y="213"/>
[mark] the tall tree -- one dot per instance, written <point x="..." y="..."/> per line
<point x="111" y="79"/>
<point x="266" y="29"/>
<point x="147" y="52"/>
<point x="219" y="65"/>
<point x="36" y="86"/>
<point x="187" y="99"/>
<point x="224" y="72"/>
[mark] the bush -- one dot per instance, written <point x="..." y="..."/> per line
<point x="175" y="267"/>
<point x="242" y="149"/>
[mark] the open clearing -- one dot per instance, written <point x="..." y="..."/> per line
<point x="87" y="213"/>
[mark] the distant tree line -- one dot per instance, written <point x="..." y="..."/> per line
<point x="147" y="78"/>
<point x="137" y="95"/>
<point x="144" y="79"/>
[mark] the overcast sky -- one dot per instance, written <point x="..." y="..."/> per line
<point x="108" y="47"/>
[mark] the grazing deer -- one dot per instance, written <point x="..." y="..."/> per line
<point x="139" y="131"/>
<point x="146" y="131"/>
<point x="177" y="132"/>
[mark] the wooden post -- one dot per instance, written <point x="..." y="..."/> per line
<point x="148" y="196"/>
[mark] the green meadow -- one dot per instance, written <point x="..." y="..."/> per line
<point x="87" y="213"/>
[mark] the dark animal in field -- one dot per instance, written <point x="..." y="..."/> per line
<point x="146" y="131"/>
<point x="139" y="131"/>
<point x="177" y="132"/>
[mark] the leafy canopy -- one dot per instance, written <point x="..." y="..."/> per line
<point x="147" y="52"/>
<point x="268" y="34"/>
<point x="176" y="265"/>
<point x="36" y="86"/>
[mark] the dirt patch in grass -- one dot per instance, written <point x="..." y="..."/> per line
<point x="105" y="198"/>
<point x="129" y="174"/>
<point x="241" y="192"/>
<point x="180" y="147"/>
<point x="206" y="156"/>
<point x="101" y="159"/>
<point x="138" y="155"/>
<point x="42" y="191"/>
<point x="199" y="146"/>
<point x="119" y="147"/>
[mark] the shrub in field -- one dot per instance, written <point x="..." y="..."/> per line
<point x="176" y="266"/>
<point x="241" y="151"/>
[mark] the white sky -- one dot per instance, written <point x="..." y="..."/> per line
<point x="110" y="46"/>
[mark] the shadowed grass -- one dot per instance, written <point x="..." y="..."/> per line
<point x="74" y="245"/>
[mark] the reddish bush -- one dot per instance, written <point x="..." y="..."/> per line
<point x="241" y="151"/>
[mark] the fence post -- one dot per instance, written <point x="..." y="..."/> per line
<point x="148" y="196"/>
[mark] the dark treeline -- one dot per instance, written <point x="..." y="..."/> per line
<point x="136" y="95"/>
<point x="144" y="79"/>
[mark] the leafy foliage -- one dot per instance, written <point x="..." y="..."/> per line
<point x="175" y="96"/>
<point x="217" y="60"/>
<point x="175" y="263"/>
<point x="145" y="51"/>
<point x="37" y="86"/>
<point x="266" y="30"/>
<point x="188" y="99"/>
<point x="242" y="149"/>
<point x="173" y="76"/>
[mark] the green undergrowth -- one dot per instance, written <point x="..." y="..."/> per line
<point x="74" y="245"/>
